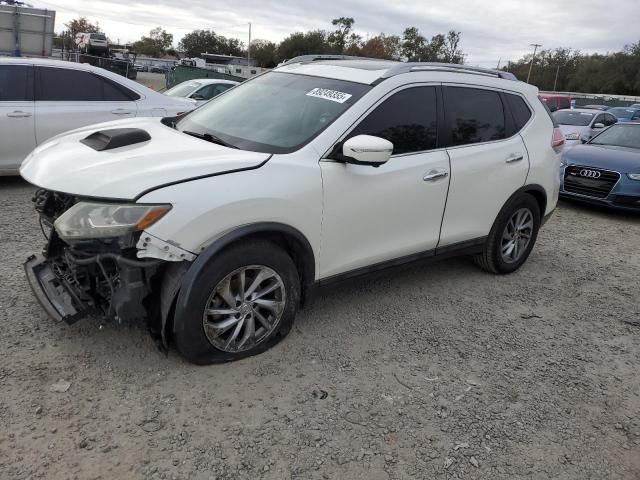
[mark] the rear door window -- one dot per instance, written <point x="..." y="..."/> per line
<point x="16" y="83"/>
<point x="408" y="119"/>
<point x="473" y="115"/>
<point x="67" y="85"/>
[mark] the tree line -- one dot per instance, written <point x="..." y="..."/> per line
<point x="412" y="45"/>
<point x="616" y="73"/>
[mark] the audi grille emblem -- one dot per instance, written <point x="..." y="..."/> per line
<point x="589" y="173"/>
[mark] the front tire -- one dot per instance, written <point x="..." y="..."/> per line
<point x="243" y="303"/>
<point x="512" y="236"/>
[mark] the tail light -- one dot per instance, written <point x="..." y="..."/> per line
<point x="557" y="140"/>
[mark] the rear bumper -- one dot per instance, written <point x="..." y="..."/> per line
<point x="54" y="293"/>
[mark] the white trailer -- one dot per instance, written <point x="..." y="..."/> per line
<point x="25" y="30"/>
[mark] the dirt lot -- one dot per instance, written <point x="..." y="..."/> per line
<point x="429" y="372"/>
<point x="155" y="81"/>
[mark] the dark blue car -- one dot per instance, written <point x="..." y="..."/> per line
<point x="626" y="114"/>
<point x="606" y="169"/>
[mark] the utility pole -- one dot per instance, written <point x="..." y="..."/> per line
<point x="499" y="60"/>
<point x="249" y="48"/>
<point x="555" y="82"/>
<point x="535" y="49"/>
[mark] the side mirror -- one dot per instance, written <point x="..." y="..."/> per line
<point x="367" y="150"/>
<point x="197" y="96"/>
<point x="598" y="125"/>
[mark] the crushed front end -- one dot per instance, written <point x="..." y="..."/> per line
<point x="91" y="265"/>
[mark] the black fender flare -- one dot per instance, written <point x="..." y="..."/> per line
<point x="188" y="281"/>
<point x="538" y="192"/>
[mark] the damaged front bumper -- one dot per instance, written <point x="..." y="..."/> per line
<point x="54" y="294"/>
<point x="131" y="277"/>
<point x="107" y="285"/>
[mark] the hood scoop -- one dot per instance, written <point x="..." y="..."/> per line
<point x="115" y="138"/>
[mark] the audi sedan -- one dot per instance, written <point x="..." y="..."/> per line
<point x="606" y="169"/>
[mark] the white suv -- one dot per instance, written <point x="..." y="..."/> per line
<point x="216" y="225"/>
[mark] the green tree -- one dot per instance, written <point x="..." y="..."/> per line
<point x="342" y="38"/>
<point x="451" y="52"/>
<point x="156" y="44"/>
<point x="199" y="41"/>
<point x="413" y="44"/>
<point x="264" y="53"/>
<point x="300" y="43"/>
<point x="616" y="73"/>
<point x="195" y="43"/>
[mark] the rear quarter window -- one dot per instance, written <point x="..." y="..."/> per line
<point x="520" y="111"/>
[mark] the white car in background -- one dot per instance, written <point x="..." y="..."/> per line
<point x="40" y="99"/>
<point x="201" y="90"/>
<point x="582" y="123"/>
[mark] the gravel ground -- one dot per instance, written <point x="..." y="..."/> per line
<point x="438" y="371"/>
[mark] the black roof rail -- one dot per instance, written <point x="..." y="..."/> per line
<point x="407" y="67"/>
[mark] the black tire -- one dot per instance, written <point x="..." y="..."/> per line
<point x="491" y="258"/>
<point x="189" y="335"/>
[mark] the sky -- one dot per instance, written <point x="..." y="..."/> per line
<point x="492" y="30"/>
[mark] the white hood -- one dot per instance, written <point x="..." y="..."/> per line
<point x="63" y="164"/>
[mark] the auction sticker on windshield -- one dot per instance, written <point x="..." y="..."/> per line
<point x="333" y="95"/>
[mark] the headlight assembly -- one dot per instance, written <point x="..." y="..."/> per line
<point x="103" y="220"/>
<point x="634" y="176"/>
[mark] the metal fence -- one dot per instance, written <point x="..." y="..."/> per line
<point x="183" y="73"/>
<point x="121" y="66"/>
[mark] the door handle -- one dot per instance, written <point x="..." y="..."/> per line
<point x="434" y="175"/>
<point x="121" y="111"/>
<point x="18" y="114"/>
<point x="514" y="157"/>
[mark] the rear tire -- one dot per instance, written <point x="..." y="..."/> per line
<point x="242" y="303"/>
<point x="512" y="236"/>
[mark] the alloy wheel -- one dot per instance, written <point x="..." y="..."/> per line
<point x="244" y="308"/>
<point x="517" y="235"/>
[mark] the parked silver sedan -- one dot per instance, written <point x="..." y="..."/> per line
<point x="582" y="123"/>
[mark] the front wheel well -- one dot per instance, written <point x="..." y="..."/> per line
<point x="300" y="253"/>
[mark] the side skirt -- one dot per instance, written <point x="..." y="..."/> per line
<point x="470" y="247"/>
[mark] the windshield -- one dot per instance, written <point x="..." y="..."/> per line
<point x="98" y="36"/>
<point x="183" y="89"/>
<point x="621" y="112"/>
<point x="579" y="119"/>
<point x="619" y="135"/>
<point x="275" y="112"/>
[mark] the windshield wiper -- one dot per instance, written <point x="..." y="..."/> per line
<point x="209" y="138"/>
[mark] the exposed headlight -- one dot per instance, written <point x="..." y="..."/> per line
<point x="634" y="176"/>
<point x="103" y="220"/>
<point x="572" y="136"/>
